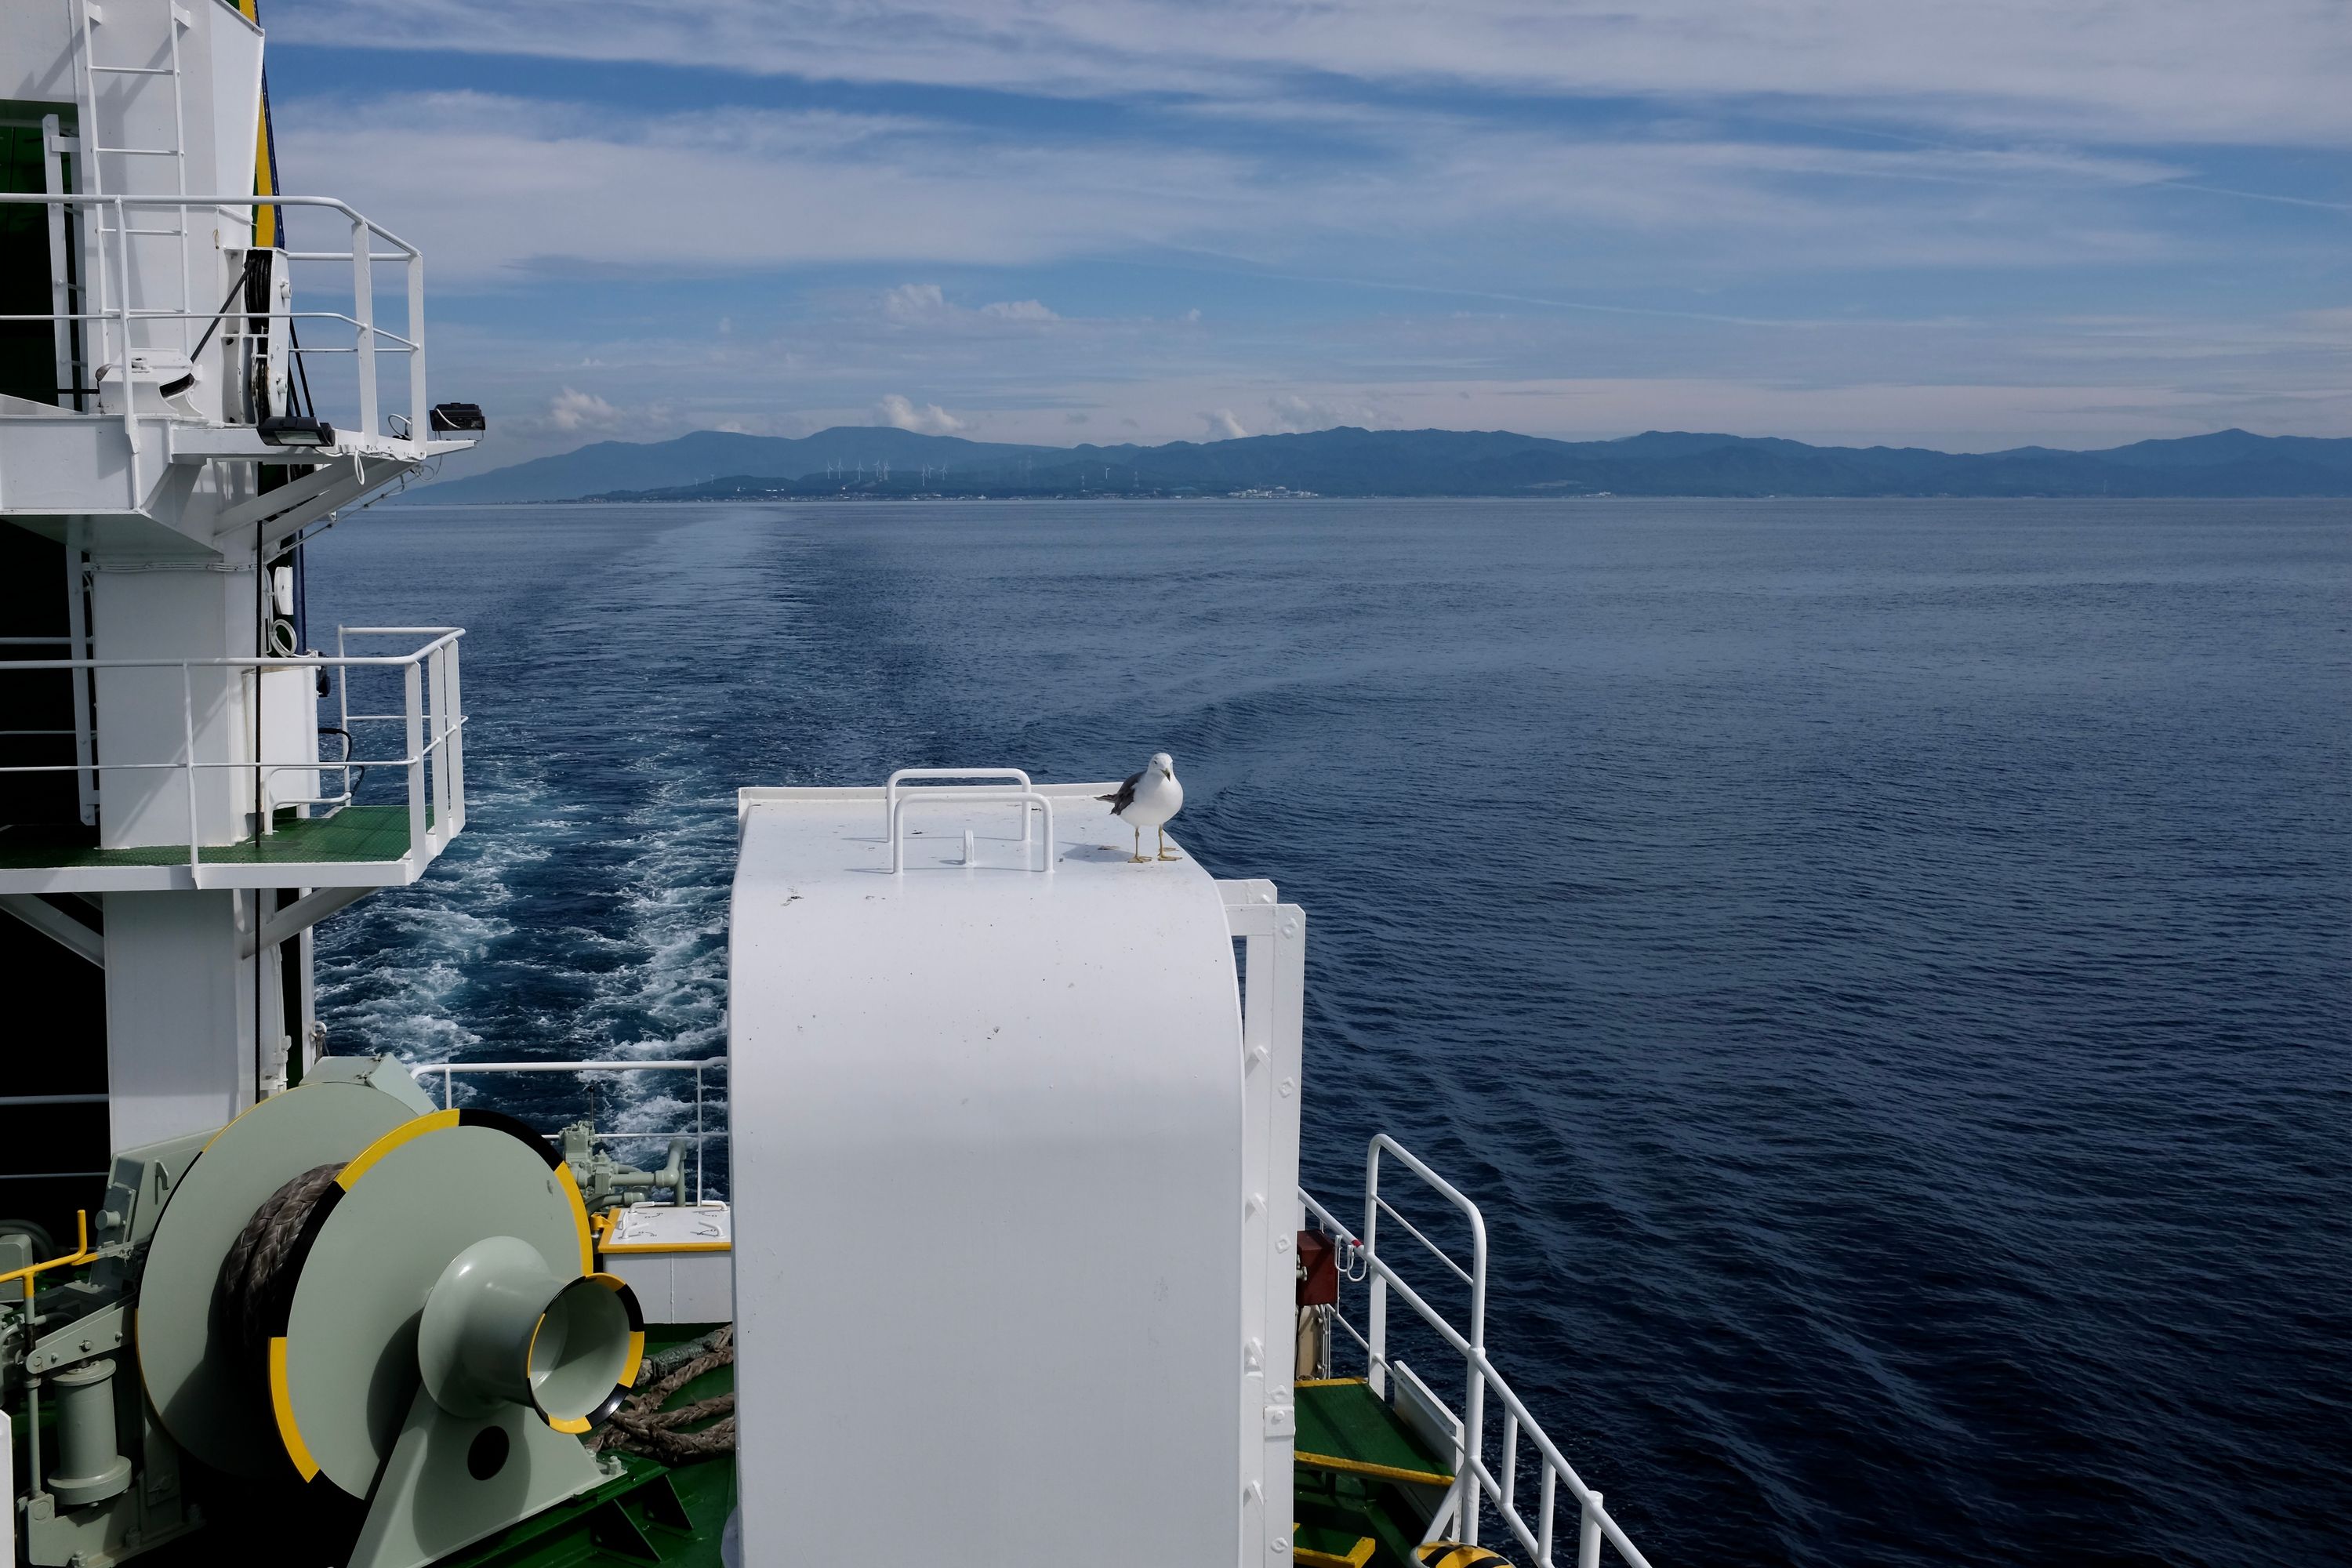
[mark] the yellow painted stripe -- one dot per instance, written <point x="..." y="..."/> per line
<point x="281" y="1399"/>
<point x="580" y="1218"/>
<point x="577" y="1425"/>
<point x="232" y="1121"/>
<point x="265" y="219"/>
<point x="610" y="1248"/>
<point x="1381" y="1472"/>
<point x="416" y="1127"/>
<point x="1326" y="1382"/>
<point x="636" y="1359"/>
<point x="1358" y="1556"/>
<point x="1456" y="1555"/>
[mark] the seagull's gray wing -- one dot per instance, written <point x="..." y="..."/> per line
<point x="1126" y="796"/>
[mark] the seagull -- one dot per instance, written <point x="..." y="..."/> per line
<point x="1148" y="799"/>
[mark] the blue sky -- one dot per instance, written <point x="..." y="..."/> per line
<point x="1964" y="225"/>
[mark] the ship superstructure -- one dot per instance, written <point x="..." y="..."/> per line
<point x="174" y="419"/>
<point x="1017" y="1266"/>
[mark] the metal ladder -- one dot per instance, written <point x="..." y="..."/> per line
<point x="91" y="16"/>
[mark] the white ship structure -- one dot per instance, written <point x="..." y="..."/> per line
<point x="1015" y="1267"/>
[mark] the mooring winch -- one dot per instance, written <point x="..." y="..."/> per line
<point x="344" y="1288"/>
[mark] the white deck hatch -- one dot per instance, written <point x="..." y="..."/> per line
<point x="677" y="1257"/>
<point x="988" y="1163"/>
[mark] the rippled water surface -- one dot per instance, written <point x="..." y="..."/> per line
<point x="1884" y="968"/>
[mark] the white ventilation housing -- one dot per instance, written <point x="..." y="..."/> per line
<point x="989" y="1175"/>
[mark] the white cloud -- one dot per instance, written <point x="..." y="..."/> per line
<point x="496" y="186"/>
<point x="570" y="410"/>
<point x="915" y="303"/>
<point x="1289" y="412"/>
<point x="928" y="418"/>
<point x="2256" y="71"/>
<point x="519" y="189"/>
<point x="1452" y="257"/>
<point x="928" y="304"/>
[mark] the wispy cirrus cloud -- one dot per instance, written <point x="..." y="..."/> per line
<point x="2262" y="71"/>
<point x="1829" y="219"/>
<point x="521" y="187"/>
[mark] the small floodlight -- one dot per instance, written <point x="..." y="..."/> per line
<point x="458" y="417"/>
<point x="293" y="430"/>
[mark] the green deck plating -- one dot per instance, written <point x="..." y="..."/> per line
<point x="671" y="1515"/>
<point x="356" y="835"/>
<point x="1364" y="1486"/>
<point x="1352" y="1510"/>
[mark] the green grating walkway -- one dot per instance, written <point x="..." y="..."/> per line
<point x="1364" y="1488"/>
<point x="1344" y="1426"/>
<point x="354" y="835"/>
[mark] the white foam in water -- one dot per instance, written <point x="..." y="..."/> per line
<point x="538" y="936"/>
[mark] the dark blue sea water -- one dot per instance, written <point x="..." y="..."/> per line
<point x="1885" y="969"/>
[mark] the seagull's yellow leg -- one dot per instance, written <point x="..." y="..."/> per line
<point x="1139" y="858"/>
<point x="1165" y="853"/>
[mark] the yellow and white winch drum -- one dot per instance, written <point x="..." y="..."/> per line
<point x="444" y="1255"/>
<point x="205" y="1387"/>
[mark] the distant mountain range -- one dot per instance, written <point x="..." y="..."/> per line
<point x="874" y="461"/>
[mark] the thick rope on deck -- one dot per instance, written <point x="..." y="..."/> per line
<point x="641" y="1426"/>
<point x="255" y="1281"/>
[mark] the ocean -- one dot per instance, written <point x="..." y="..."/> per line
<point x="1885" y="969"/>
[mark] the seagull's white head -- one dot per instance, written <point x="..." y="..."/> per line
<point x="1163" y="764"/>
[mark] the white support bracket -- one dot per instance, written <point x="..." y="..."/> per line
<point x="298" y="916"/>
<point x="56" y="924"/>
<point x="1274" y="986"/>
<point x="292" y="506"/>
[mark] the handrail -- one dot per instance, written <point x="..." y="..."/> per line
<point x="1436" y="1251"/>
<point x="1479" y="1482"/>
<point x="114" y="314"/>
<point x="1026" y="798"/>
<point x="80" y="1253"/>
<point x="334" y="204"/>
<point x="431" y="710"/>
<point x="585" y="1065"/>
<point x="1473" y="1404"/>
<point x="890" y="788"/>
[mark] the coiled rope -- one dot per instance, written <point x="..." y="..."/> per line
<point x="257" y="1287"/>
<point x="256" y="1283"/>
<point x="641" y="1426"/>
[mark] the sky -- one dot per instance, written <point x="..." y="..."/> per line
<point x="1970" y="224"/>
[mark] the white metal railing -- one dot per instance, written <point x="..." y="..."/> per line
<point x="896" y="803"/>
<point x="700" y="1134"/>
<point x="1478" y="1482"/>
<point x="113" y="313"/>
<point x="431" y="714"/>
<point x="890" y="787"/>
